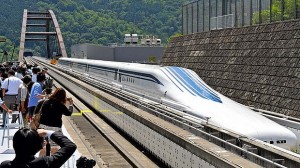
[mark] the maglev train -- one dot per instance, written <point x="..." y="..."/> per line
<point x="184" y="90"/>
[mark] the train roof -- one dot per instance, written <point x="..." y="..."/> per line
<point x="109" y="63"/>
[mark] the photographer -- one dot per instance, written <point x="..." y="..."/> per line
<point x="27" y="142"/>
<point x="48" y="82"/>
<point x="53" y="109"/>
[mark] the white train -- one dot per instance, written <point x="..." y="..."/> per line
<point x="184" y="90"/>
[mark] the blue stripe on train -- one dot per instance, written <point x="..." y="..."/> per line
<point x="187" y="81"/>
<point x="175" y="78"/>
<point x="200" y="82"/>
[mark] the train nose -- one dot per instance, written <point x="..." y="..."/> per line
<point x="287" y="141"/>
<point x="280" y="136"/>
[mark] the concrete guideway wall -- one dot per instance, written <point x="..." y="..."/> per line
<point x="172" y="145"/>
<point x="257" y="66"/>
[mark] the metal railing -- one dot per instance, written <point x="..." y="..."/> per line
<point x="221" y="22"/>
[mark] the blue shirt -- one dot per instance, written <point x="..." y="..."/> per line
<point x="37" y="88"/>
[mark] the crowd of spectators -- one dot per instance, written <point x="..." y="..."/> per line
<point x="24" y="89"/>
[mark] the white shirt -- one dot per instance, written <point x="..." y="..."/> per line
<point x="12" y="85"/>
<point x="19" y="75"/>
<point x="23" y="92"/>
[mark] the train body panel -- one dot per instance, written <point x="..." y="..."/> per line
<point x="184" y="90"/>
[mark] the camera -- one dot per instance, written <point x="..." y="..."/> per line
<point x="48" y="85"/>
<point x="48" y="91"/>
<point x="83" y="162"/>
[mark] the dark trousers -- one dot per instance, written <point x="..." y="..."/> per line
<point x="11" y="102"/>
<point x="31" y="111"/>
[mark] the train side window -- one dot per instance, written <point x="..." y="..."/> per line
<point x="116" y="74"/>
<point x="271" y="142"/>
<point x="281" y="141"/>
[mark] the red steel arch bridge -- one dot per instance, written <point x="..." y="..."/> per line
<point x="39" y="27"/>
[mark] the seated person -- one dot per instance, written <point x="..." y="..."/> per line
<point x="27" y="142"/>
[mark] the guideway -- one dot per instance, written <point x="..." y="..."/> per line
<point x="274" y="155"/>
<point x="158" y="136"/>
<point x="110" y="149"/>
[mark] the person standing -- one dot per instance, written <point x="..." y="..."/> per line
<point x="23" y="97"/>
<point x="36" y="93"/>
<point x="4" y="76"/>
<point x="10" y="87"/>
<point x="2" y="71"/>
<point x="45" y="71"/>
<point x="19" y="73"/>
<point x="53" y="109"/>
<point x="35" y="71"/>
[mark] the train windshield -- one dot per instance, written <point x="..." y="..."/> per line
<point x="189" y="81"/>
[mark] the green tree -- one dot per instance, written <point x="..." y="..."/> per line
<point x="174" y="35"/>
<point x="276" y="11"/>
<point x="10" y="48"/>
<point x="97" y="21"/>
<point x="152" y="59"/>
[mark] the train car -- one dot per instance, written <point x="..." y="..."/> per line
<point x="184" y="90"/>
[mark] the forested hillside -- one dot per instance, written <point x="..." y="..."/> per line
<point x="96" y="21"/>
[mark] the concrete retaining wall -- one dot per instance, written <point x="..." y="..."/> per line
<point x="257" y="65"/>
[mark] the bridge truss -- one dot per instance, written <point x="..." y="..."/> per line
<point x="42" y="27"/>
